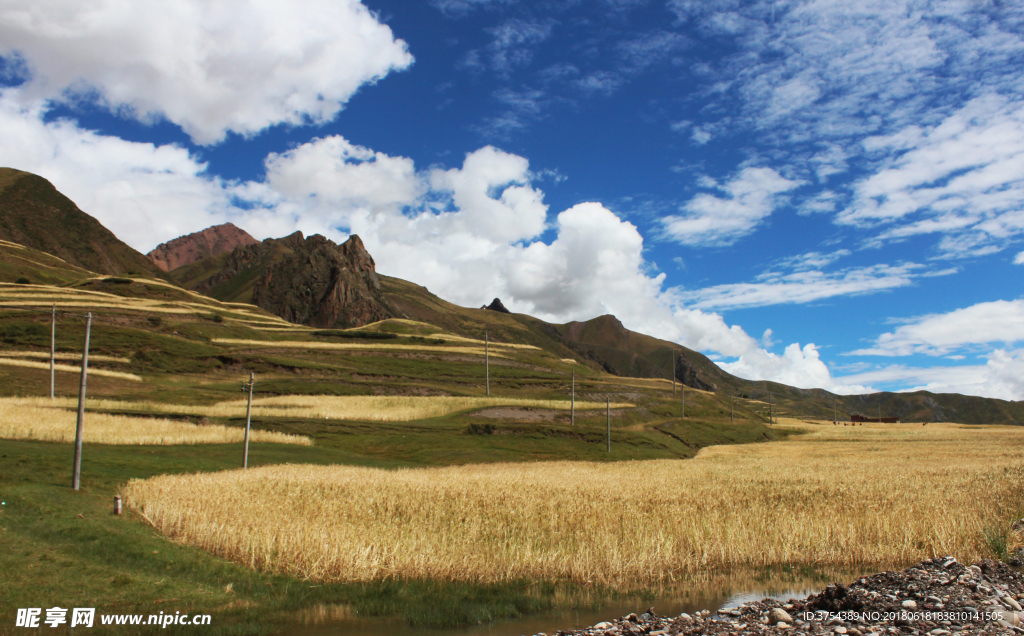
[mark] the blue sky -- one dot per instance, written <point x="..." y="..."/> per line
<point x="821" y="193"/>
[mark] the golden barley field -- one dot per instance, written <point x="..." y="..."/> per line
<point x="67" y="368"/>
<point x="14" y="353"/>
<point x="386" y="408"/>
<point x="478" y="350"/>
<point x="32" y="418"/>
<point x="379" y="408"/>
<point x="834" y="497"/>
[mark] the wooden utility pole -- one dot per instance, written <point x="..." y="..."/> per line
<point x="771" y="418"/>
<point x="835" y="418"/>
<point x="76" y="477"/>
<point x="673" y="372"/>
<point x="879" y="412"/>
<point x="487" y="363"/>
<point x="248" y="418"/>
<point x="572" y="403"/>
<point x="608" y="422"/>
<point x="732" y="409"/>
<point x="53" y="343"/>
<point x="682" y="402"/>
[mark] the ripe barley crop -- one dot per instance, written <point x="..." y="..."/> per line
<point x="67" y="368"/>
<point x="380" y="408"/>
<point x="883" y="495"/>
<point x="31" y="419"/>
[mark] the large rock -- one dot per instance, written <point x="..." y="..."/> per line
<point x="323" y="284"/>
<point x="190" y="248"/>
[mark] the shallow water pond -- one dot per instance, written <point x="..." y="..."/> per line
<point x="709" y="595"/>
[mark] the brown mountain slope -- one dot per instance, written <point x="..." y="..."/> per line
<point x="199" y="245"/>
<point x="34" y="214"/>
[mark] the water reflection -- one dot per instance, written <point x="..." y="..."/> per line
<point x="711" y="593"/>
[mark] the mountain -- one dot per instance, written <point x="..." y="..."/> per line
<point x="199" y="245"/>
<point x="34" y="214"/>
<point x="316" y="282"/>
<point x="311" y="281"/>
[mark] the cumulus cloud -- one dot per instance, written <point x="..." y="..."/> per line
<point x="940" y="334"/>
<point x="1019" y="259"/>
<point x="799" y="367"/>
<point x="209" y="66"/>
<point x="145" y="193"/>
<point x="722" y="220"/>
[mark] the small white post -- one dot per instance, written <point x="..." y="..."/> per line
<point x="248" y="420"/>
<point x="673" y="372"/>
<point x="76" y="477"/>
<point x="608" y="422"/>
<point x="53" y="343"/>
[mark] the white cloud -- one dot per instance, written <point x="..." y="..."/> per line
<point x="1001" y="377"/>
<point x="1019" y="259"/>
<point x="512" y="40"/>
<point x="145" y="194"/>
<point x="940" y="334"/>
<point x="923" y="97"/>
<point x="796" y="367"/>
<point x="962" y="178"/>
<point x="712" y="220"/>
<point x="208" y="66"/>
<point x="774" y="288"/>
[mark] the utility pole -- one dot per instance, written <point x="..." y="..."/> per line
<point x="682" y="402"/>
<point x="673" y="372"/>
<point x="770" y="414"/>
<point x="835" y="418"/>
<point x="879" y="412"/>
<point x="732" y="409"/>
<point x="608" y="422"/>
<point x="53" y="343"/>
<point x="487" y="362"/>
<point x="76" y="477"/>
<point x="572" y="404"/>
<point x="248" y="418"/>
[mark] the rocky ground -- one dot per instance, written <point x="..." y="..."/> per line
<point x="936" y="597"/>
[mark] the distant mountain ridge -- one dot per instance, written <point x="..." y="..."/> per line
<point x="314" y="281"/>
<point x="34" y="214"/>
<point x="190" y="248"/>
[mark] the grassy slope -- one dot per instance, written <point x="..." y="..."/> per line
<point x="33" y="213"/>
<point x="122" y="565"/>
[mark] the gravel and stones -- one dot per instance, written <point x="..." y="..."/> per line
<point x="937" y="597"/>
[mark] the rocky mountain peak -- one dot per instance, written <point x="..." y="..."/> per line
<point x="323" y="284"/>
<point x="497" y="306"/>
<point x="190" y="248"/>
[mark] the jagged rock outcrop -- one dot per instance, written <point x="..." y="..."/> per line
<point x="323" y="284"/>
<point x="691" y="376"/>
<point x="190" y="248"/>
<point x="497" y="306"/>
